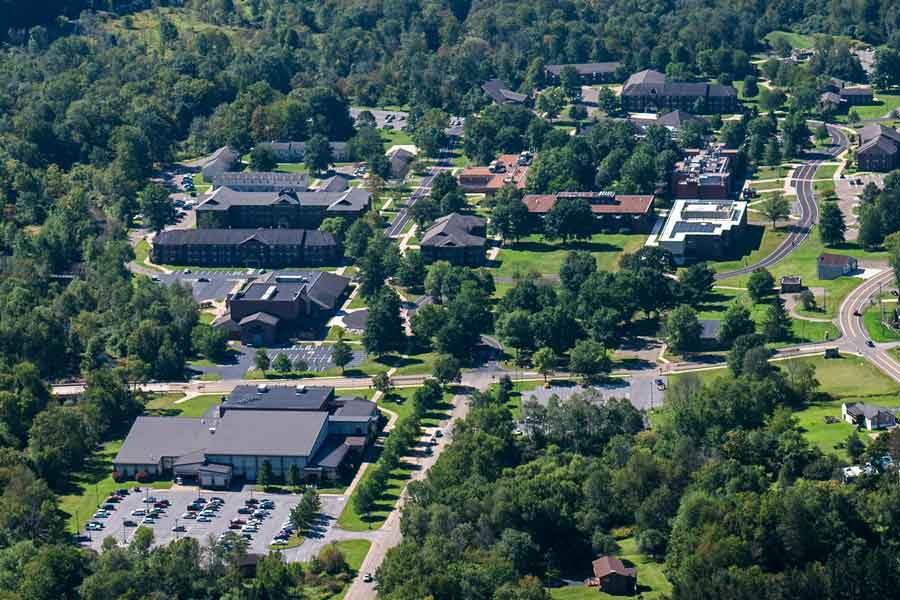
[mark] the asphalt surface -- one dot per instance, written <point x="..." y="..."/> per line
<point x="317" y="358"/>
<point x="806" y="200"/>
<point x="402" y="218"/>
<point x="855" y="338"/>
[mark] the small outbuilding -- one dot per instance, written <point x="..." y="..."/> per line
<point x="832" y="266"/>
<point x="613" y="577"/>
<point x="791" y="284"/>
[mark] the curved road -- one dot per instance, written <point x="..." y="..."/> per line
<point x="802" y="180"/>
<point x="855" y="338"/>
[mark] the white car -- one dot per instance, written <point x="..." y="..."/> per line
<point x="101" y="514"/>
<point x="189" y="515"/>
<point x="94" y="526"/>
<point x="139" y="513"/>
<point x="249" y="529"/>
<point x="148" y="521"/>
<point x="207" y="513"/>
<point x="279" y="542"/>
<point x="204" y="519"/>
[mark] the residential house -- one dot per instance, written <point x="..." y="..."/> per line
<point x="613" y="577"/>
<point x="867" y="416"/>
<point x="226" y="208"/>
<point x="704" y="174"/>
<point x="291" y="152"/>
<point x="458" y="239"/>
<point x="599" y="72"/>
<point x="261" y="181"/>
<point x="276" y="307"/>
<point x="879" y="148"/>
<point x="651" y="91"/>
<point x="702" y="229"/>
<point x="508" y="169"/>
<point x="222" y="160"/>
<point x="832" y="266"/>
<point x="857" y="95"/>
<point x="612" y="211"/>
<point x="255" y="248"/>
<point x="498" y="91"/>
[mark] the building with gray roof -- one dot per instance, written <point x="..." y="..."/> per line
<point x="254" y="248"/>
<point x="651" y="91"/>
<point x="222" y="160"/>
<point x="458" y="239"/>
<point x="262" y="181"/>
<point x="869" y="416"/>
<point x="229" y="208"/>
<point x="316" y="433"/>
<point x="597" y="72"/>
<point x="500" y="93"/>
<point x="294" y="151"/>
<point x="879" y="148"/>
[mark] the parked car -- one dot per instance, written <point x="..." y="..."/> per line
<point x="179" y="528"/>
<point x="109" y="506"/>
<point x="149" y="500"/>
<point x="660" y="384"/>
<point x="439" y="433"/>
<point x="870" y="343"/>
<point x="245" y="511"/>
<point x="113" y="500"/>
<point x="251" y="501"/>
<point x="122" y="492"/>
<point x="279" y="542"/>
<point x="101" y="514"/>
<point x="234" y="526"/>
<point x="368" y="578"/>
<point x="148" y="521"/>
<point x="129" y="523"/>
<point x="238" y="522"/>
<point x="218" y="499"/>
<point x="207" y="513"/>
<point x="189" y="515"/>
<point x="204" y="519"/>
<point x="94" y="526"/>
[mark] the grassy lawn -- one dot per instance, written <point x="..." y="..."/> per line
<point x="652" y="582"/>
<point x="825" y="172"/>
<point x="802" y="261"/>
<point x="534" y="253"/>
<point x="874" y="327"/>
<point x="93" y="483"/>
<point x="883" y="104"/>
<point x="393" y="137"/>
<point x="142" y="254"/>
<point x="824" y="187"/>
<point x="358" y="302"/>
<point x="748" y="102"/>
<point x="779" y="172"/>
<point x="796" y="40"/>
<point x="291" y="167"/>
<point x="846" y="379"/>
<point x="164" y="405"/>
<point x="804" y="331"/>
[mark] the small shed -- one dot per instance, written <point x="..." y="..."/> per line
<point x="791" y="284"/>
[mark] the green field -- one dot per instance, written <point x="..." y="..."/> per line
<point x="652" y="582"/>
<point x="779" y="172"/>
<point x="142" y="254"/>
<point x="884" y="104"/>
<point x="534" y="253"/>
<point x="165" y="405"/>
<point x="796" y="40"/>
<point x="825" y="172"/>
<point x="846" y="379"/>
<point x="875" y="328"/>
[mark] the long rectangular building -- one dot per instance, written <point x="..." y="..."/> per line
<point x="227" y="208"/>
<point x="651" y="91"/>
<point x="611" y="211"/>
<point x="254" y="248"/>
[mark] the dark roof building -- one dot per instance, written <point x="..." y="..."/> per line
<point x="611" y="210"/>
<point x="650" y="91"/>
<point x="704" y="174"/>
<point x="278" y="306"/>
<point x="226" y="208"/>
<point x="458" y="239"/>
<point x="400" y="159"/>
<point x="261" y="181"/>
<point x="254" y="248"/>
<point x="295" y="151"/>
<point x="598" y="72"/>
<point x="613" y="577"/>
<point x="306" y="428"/>
<point x="498" y="91"/>
<point x="879" y="148"/>
<point x="856" y="95"/>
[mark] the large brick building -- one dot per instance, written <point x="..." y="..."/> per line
<point x="255" y="248"/>
<point x="508" y="169"/>
<point x="704" y="174"/>
<point x="611" y="211"/>
<point x="879" y="148"/>
<point x="227" y="208"/>
<point x="651" y="91"/>
<point x="279" y="306"/>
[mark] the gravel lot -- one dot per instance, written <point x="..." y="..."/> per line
<point x="181" y="497"/>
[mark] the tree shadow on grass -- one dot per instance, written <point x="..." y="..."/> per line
<point x="545" y="247"/>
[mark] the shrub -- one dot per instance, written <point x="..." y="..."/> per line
<point x="142" y="476"/>
<point x="118" y="477"/>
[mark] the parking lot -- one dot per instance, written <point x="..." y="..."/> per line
<point x="395" y="118"/>
<point x="318" y="358"/>
<point x="180" y="497"/>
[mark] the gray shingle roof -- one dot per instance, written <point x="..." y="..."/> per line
<point x="267" y="433"/>
<point x="604" y="68"/>
<point x="152" y="438"/>
<point x="270" y="237"/>
<point x="261" y="317"/>
<point x="353" y="199"/>
<point x="499" y="92"/>
<point x="453" y="230"/>
<point x="299" y="181"/>
<point x="278" y="397"/>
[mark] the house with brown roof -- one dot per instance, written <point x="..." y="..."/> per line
<point x="613" y="577"/>
<point x="612" y="211"/>
<point x="458" y="239"/>
<point x="508" y="169"/>
<point x="832" y="266"/>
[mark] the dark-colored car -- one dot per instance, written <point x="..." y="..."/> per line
<point x="129" y="523"/>
<point x="251" y="501"/>
<point x="245" y="511"/>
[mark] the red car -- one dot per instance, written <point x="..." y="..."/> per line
<point x="238" y="522"/>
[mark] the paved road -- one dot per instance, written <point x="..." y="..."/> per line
<point x="855" y="338"/>
<point x="402" y="218"/>
<point x="809" y="208"/>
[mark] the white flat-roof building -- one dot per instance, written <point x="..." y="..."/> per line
<point x="702" y="229"/>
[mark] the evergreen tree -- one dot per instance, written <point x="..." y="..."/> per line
<point x="777" y="323"/>
<point x="831" y="225"/>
